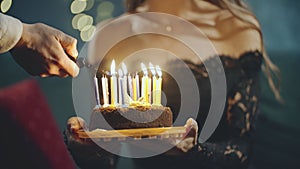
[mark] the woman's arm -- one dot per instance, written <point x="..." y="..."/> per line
<point x="10" y="32"/>
<point x="233" y="148"/>
<point x="233" y="151"/>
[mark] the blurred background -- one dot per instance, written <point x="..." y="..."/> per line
<point x="278" y="130"/>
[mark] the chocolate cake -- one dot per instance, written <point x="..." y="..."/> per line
<point x="131" y="117"/>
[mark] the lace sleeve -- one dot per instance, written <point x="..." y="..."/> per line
<point x="233" y="152"/>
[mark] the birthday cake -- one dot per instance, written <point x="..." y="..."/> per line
<point x="131" y="106"/>
<point x="131" y="118"/>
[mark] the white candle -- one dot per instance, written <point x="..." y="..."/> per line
<point x="124" y="69"/>
<point x="154" y="81"/>
<point x="96" y="90"/>
<point x="130" y="86"/>
<point x="121" y="88"/>
<point x="158" y="86"/>
<point x="145" y="83"/>
<point x="113" y="84"/>
<point x="105" y="91"/>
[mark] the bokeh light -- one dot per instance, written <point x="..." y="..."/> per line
<point x="88" y="33"/>
<point x="90" y="4"/>
<point x="105" y="7"/>
<point x="78" y="6"/>
<point x="87" y="13"/>
<point x="84" y="21"/>
<point x="75" y="20"/>
<point x="5" y="5"/>
<point x="104" y="10"/>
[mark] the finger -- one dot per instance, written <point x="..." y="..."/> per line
<point x="62" y="61"/>
<point x="55" y="70"/>
<point x="69" y="44"/>
<point x="191" y="124"/>
<point x="74" y="124"/>
<point x="191" y="129"/>
<point x="186" y="144"/>
<point x="66" y="64"/>
<point x="70" y="67"/>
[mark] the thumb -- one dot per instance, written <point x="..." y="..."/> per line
<point x="74" y="124"/>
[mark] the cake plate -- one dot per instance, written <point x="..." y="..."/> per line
<point x="136" y="134"/>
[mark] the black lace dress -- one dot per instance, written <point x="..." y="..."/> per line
<point x="230" y="145"/>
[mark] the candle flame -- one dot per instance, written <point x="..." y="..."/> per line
<point x="144" y="69"/>
<point x="124" y="68"/>
<point x="158" y="70"/>
<point x="120" y="73"/>
<point x="113" y="68"/>
<point x="152" y="69"/>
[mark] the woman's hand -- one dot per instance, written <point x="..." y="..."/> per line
<point x="190" y="139"/>
<point x="86" y="154"/>
<point x="183" y="145"/>
<point x="45" y="51"/>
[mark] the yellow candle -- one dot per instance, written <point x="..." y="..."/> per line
<point x="158" y="91"/>
<point x="154" y="90"/>
<point x="134" y="89"/>
<point x="149" y="84"/>
<point x="112" y="91"/>
<point x="154" y="79"/>
<point x="158" y="86"/>
<point x="145" y="82"/>
<point x="113" y="84"/>
<point x="144" y="87"/>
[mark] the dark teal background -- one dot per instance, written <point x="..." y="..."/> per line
<point x="278" y="127"/>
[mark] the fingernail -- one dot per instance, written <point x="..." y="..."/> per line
<point x="44" y="75"/>
<point x="75" y="53"/>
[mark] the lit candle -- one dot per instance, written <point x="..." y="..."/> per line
<point x="121" y="88"/>
<point x="134" y="89"/>
<point x="130" y="86"/>
<point x="124" y="69"/>
<point x="137" y="81"/>
<point x="158" y="86"/>
<point x="144" y="83"/>
<point x="113" y="84"/>
<point x="96" y="90"/>
<point x="154" y="81"/>
<point x="149" y="90"/>
<point x="105" y="91"/>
